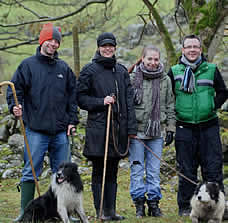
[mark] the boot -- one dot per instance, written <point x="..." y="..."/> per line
<point x="110" y="203"/>
<point x="153" y="208"/>
<point x="27" y="194"/>
<point x="140" y="207"/>
<point x="225" y="215"/>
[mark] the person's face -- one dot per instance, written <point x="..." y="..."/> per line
<point x="107" y="50"/>
<point x="151" y="60"/>
<point x="191" y="49"/>
<point x="49" y="47"/>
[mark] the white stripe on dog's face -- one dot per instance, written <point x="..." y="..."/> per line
<point x="203" y="195"/>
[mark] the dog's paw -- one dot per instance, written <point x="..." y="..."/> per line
<point x="194" y="219"/>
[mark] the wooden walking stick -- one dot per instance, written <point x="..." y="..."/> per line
<point x="105" y="159"/>
<point x="11" y="84"/>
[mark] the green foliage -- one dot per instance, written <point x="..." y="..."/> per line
<point x="210" y="16"/>
<point x="202" y="16"/>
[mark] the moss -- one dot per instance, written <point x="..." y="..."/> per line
<point x="208" y="21"/>
<point x="203" y="16"/>
<point x="3" y="161"/>
<point x="5" y="152"/>
<point x="223" y="119"/>
<point x="226" y="180"/>
<point x="171" y="54"/>
<point x="224" y="137"/>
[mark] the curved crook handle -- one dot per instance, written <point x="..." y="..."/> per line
<point x="13" y="89"/>
<point x="11" y="84"/>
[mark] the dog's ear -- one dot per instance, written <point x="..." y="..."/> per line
<point x="215" y="186"/>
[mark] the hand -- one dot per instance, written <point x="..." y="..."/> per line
<point x="132" y="136"/>
<point x="17" y="110"/>
<point x="109" y="100"/>
<point x="168" y="138"/>
<point x="71" y="130"/>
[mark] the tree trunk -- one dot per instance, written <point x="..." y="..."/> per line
<point x="171" y="53"/>
<point x="205" y="20"/>
<point x="76" y="51"/>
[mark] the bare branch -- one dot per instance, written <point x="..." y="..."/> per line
<point x="28" y="42"/>
<point x="53" y="4"/>
<point x="175" y="16"/>
<point x="58" y="18"/>
<point x="12" y="37"/>
<point x="5" y="33"/>
<point x="154" y="3"/>
<point x="19" y="44"/>
<point x="17" y="53"/>
<point x="5" y="3"/>
<point x="34" y="13"/>
<point x="171" y="54"/>
<point x="144" y="26"/>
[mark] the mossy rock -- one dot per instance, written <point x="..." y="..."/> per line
<point x="223" y="119"/>
<point x="224" y="137"/>
<point x="5" y="152"/>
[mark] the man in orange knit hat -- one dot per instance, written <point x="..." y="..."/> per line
<point x="46" y="91"/>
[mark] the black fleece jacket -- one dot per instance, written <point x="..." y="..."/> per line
<point x="46" y="88"/>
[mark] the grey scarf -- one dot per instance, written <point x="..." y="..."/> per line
<point x="153" y="125"/>
<point x="188" y="82"/>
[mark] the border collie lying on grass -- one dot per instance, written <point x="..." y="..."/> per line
<point x="63" y="198"/>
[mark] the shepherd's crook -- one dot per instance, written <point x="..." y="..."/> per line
<point x="11" y="84"/>
<point x="105" y="159"/>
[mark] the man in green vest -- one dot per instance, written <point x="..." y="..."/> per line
<point x="199" y="90"/>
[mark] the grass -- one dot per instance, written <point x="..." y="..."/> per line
<point x="10" y="201"/>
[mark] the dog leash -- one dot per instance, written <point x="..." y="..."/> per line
<point x="166" y="164"/>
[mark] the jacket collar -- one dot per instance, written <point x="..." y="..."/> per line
<point x="46" y="58"/>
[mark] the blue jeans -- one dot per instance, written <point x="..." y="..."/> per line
<point x="39" y="143"/>
<point x="143" y="161"/>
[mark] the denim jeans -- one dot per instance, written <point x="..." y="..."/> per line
<point x="56" y="145"/>
<point x="143" y="161"/>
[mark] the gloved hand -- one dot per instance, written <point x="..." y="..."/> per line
<point x="168" y="138"/>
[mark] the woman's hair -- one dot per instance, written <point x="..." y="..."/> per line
<point x="150" y="48"/>
<point x="144" y="51"/>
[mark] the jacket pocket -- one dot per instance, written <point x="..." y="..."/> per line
<point x="140" y="112"/>
<point x="96" y="120"/>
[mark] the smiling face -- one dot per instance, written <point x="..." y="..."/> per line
<point x="49" y="47"/>
<point x="151" y="60"/>
<point x="107" y="50"/>
<point x="191" y="49"/>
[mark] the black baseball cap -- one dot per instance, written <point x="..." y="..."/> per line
<point x="106" y="38"/>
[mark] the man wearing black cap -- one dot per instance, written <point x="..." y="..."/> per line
<point x="46" y="91"/>
<point x="104" y="82"/>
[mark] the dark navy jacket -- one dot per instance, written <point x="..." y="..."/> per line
<point x="46" y="88"/>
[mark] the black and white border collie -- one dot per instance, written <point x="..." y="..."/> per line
<point x="207" y="203"/>
<point x="64" y="197"/>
